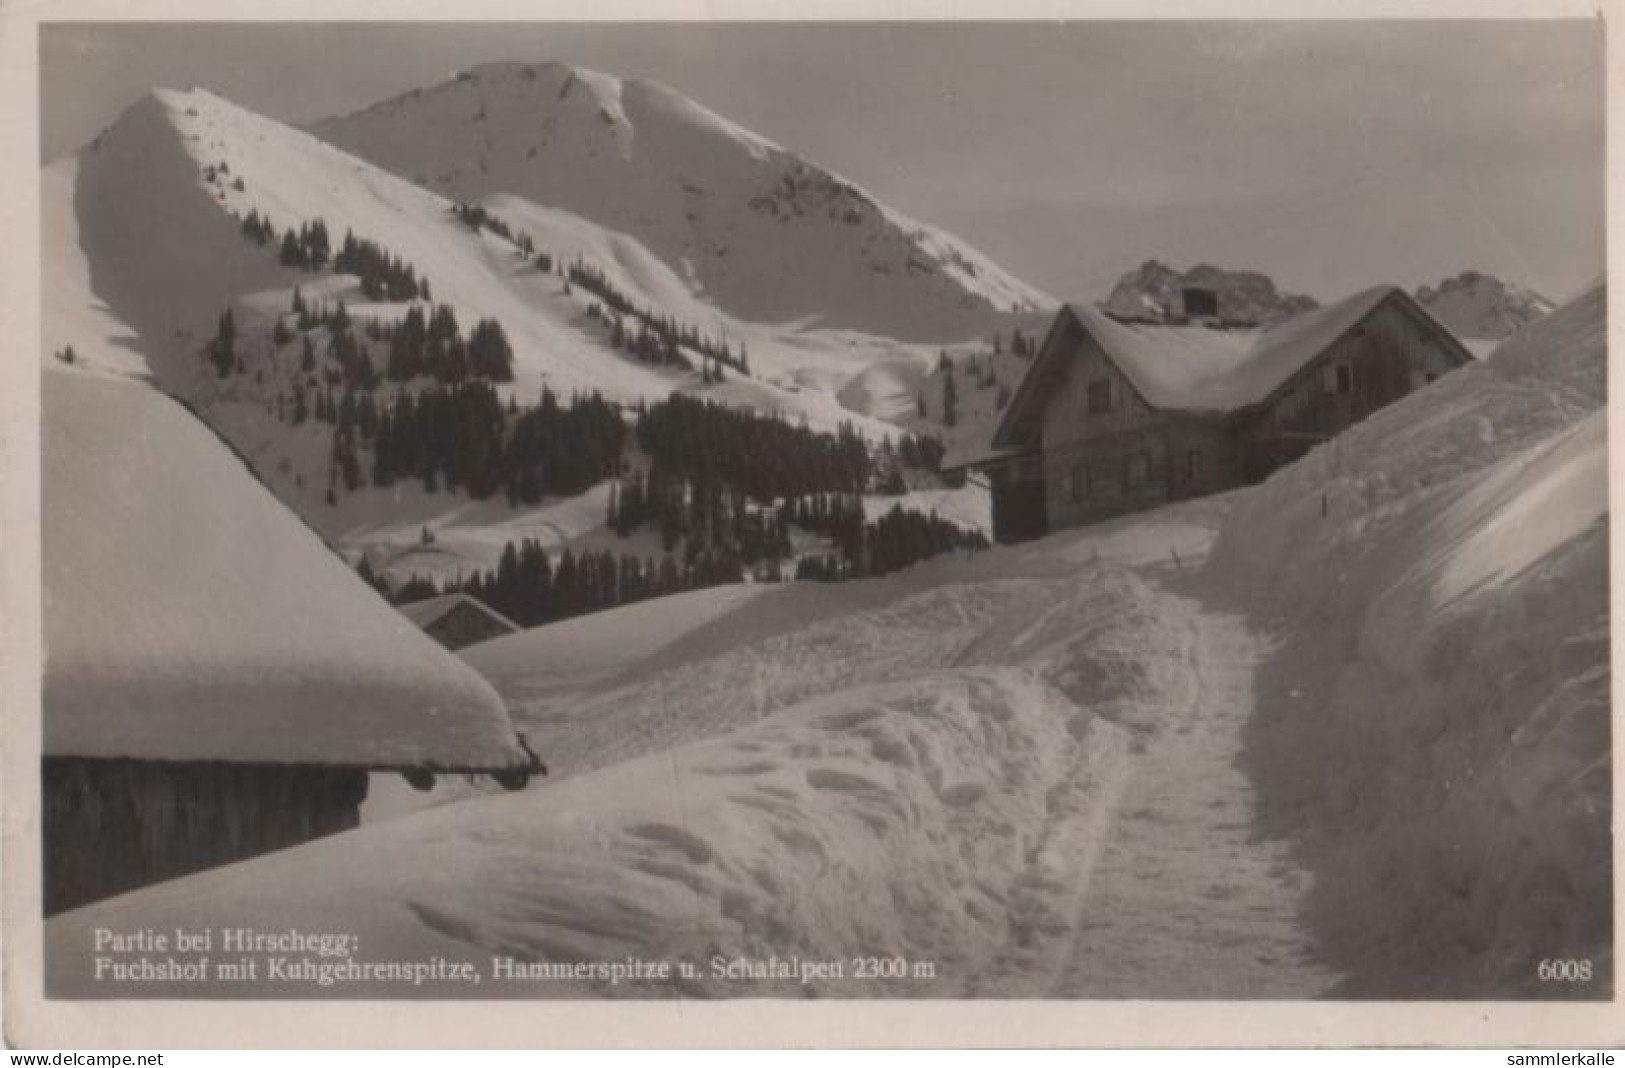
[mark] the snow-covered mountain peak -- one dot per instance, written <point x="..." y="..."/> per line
<point x="1478" y="305"/>
<point x="759" y="231"/>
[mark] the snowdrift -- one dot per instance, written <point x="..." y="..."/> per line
<point x="921" y="767"/>
<point x="913" y="807"/>
<point x="1435" y="728"/>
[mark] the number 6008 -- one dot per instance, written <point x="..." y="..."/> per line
<point x="1564" y="971"/>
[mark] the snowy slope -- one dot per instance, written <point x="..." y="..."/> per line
<point x="189" y="616"/>
<point x="1434" y="731"/>
<point x="144" y="254"/>
<point x="1482" y="306"/>
<point x="754" y="228"/>
<point x="798" y="370"/>
<point x="166" y="256"/>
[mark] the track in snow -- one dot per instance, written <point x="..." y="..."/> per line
<point x="1184" y="899"/>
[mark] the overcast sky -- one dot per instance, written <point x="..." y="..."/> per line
<point x="1330" y="155"/>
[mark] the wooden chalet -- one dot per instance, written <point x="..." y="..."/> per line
<point x="218" y="683"/>
<point x="1116" y="416"/>
<point x="457" y="620"/>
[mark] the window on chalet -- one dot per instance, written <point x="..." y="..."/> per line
<point x="1193" y="466"/>
<point x="1345" y="378"/>
<point x="1100" y="396"/>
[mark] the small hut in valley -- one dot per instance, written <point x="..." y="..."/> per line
<point x="456" y="619"/>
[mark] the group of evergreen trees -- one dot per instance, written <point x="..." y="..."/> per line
<point x="920" y="451"/>
<point x="432" y="346"/>
<point x="258" y="229"/>
<point x="462" y="438"/>
<point x="308" y="249"/>
<point x="658" y="338"/>
<point x="761" y="456"/>
<point x="528" y="587"/>
<point x="900" y="538"/>
<point x="383" y="275"/>
<point x="561" y="450"/>
<point x="477" y="218"/>
<point x="703" y="512"/>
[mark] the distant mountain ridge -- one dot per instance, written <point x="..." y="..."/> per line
<point x="1152" y="291"/>
<point x="1478" y="305"/>
<point x="759" y="231"/>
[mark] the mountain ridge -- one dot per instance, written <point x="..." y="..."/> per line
<point x="763" y="233"/>
<point x="1476" y="304"/>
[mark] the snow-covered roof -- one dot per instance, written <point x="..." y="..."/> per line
<point x="1195" y="368"/>
<point x="1199" y="368"/>
<point x="426" y="612"/>
<point x="190" y="616"/>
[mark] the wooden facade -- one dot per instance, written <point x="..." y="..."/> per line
<point x="111" y="825"/>
<point x="458" y="620"/>
<point x="464" y="625"/>
<point x="1388" y="354"/>
<point x="1102" y="449"/>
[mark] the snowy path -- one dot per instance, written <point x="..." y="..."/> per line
<point x="1184" y="900"/>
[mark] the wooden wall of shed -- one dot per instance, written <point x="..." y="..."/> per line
<point x="1389" y="355"/>
<point x="465" y="625"/>
<point x="113" y="825"/>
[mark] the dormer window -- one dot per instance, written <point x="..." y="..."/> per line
<point x="1199" y="302"/>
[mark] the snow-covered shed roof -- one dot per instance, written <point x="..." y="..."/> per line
<point x="426" y="612"/>
<point x="189" y="615"/>
<point x="1198" y="368"/>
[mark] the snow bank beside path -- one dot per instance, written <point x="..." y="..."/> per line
<point x="937" y="817"/>
<point x="1102" y="640"/>
<point x="922" y="767"/>
<point x="1434" y="731"/>
<point x="585" y="648"/>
